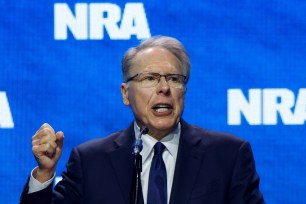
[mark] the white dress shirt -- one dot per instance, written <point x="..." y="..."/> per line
<point x="35" y="185"/>
<point x="171" y="142"/>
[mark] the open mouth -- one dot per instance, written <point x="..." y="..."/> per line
<point x="162" y="108"/>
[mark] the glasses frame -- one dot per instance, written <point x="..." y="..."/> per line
<point x="166" y="76"/>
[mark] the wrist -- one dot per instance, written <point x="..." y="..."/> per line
<point x="43" y="175"/>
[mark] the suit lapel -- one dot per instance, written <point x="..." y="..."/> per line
<point x="188" y="162"/>
<point x="122" y="161"/>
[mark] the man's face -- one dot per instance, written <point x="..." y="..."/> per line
<point x="159" y="107"/>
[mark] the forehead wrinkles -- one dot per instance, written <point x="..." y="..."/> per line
<point x="160" y="67"/>
<point x="156" y="58"/>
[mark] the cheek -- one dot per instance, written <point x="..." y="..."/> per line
<point x="180" y="101"/>
<point x="140" y="99"/>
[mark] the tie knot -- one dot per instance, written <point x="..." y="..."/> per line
<point x="159" y="148"/>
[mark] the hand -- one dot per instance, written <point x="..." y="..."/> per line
<point x="47" y="149"/>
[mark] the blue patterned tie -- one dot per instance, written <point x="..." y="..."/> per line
<point x="157" y="190"/>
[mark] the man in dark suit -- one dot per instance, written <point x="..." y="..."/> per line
<point x="181" y="163"/>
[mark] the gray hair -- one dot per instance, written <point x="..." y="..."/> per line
<point x="171" y="44"/>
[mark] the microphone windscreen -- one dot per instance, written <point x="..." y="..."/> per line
<point x="144" y="130"/>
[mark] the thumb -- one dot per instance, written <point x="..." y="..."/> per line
<point x="59" y="139"/>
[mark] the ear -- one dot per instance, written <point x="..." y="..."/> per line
<point x="124" y="93"/>
<point x="185" y="90"/>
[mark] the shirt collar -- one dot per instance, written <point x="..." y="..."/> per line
<point x="171" y="141"/>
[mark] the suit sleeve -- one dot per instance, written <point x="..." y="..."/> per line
<point x="245" y="181"/>
<point x="68" y="190"/>
<point x="39" y="197"/>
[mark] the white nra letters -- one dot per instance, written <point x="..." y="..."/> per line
<point x="6" y="119"/>
<point x="266" y="106"/>
<point x="91" y="21"/>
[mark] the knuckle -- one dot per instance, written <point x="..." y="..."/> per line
<point x="45" y="131"/>
<point x="35" y="149"/>
<point x="45" y="125"/>
<point x="34" y="142"/>
<point x="35" y="135"/>
<point x="48" y="146"/>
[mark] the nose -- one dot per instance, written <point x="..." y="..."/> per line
<point x="163" y="86"/>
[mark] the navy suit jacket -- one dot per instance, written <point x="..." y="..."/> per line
<point x="211" y="168"/>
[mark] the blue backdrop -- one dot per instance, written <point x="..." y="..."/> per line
<point x="60" y="62"/>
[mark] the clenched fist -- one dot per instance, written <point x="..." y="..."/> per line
<point x="47" y="149"/>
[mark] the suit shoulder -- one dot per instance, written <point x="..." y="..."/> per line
<point x="216" y="137"/>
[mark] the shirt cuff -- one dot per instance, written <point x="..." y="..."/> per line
<point x="35" y="185"/>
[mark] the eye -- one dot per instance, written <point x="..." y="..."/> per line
<point x="174" y="78"/>
<point x="149" y="77"/>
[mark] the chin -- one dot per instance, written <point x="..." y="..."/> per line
<point x="163" y="125"/>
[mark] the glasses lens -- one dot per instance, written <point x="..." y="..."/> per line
<point x="175" y="80"/>
<point x="148" y="79"/>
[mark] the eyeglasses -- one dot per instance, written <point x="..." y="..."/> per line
<point x="148" y="79"/>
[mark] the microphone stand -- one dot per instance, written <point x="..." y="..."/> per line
<point x="137" y="147"/>
<point x="138" y="169"/>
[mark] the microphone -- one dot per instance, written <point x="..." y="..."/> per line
<point x="144" y="130"/>
<point x="137" y="147"/>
